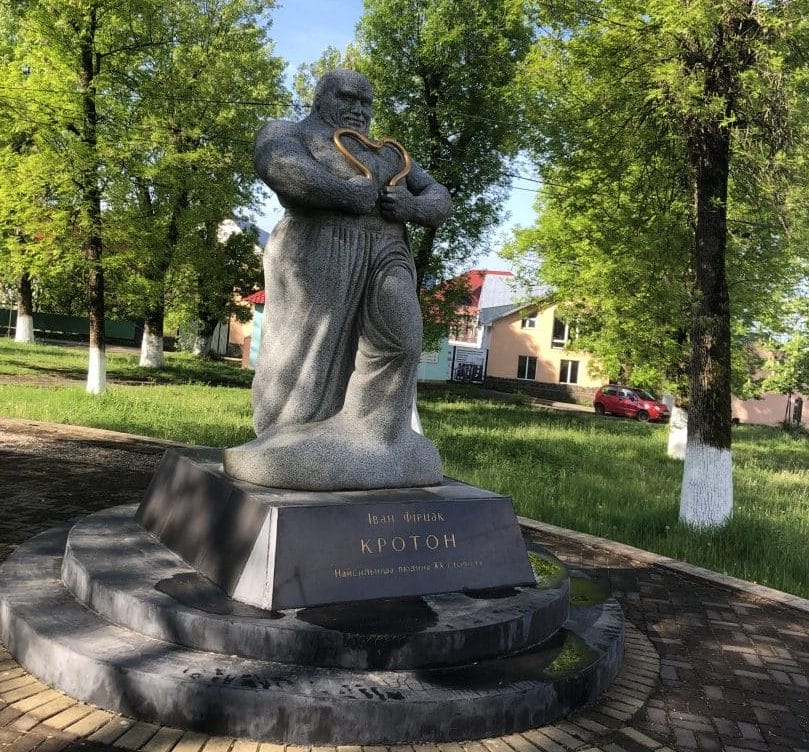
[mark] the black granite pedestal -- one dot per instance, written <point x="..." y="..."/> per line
<point x="280" y="549"/>
<point x="108" y="613"/>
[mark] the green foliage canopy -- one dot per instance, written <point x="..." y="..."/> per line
<point x="443" y="76"/>
<point x="196" y="108"/>
<point x="158" y="134"/>
<point x="618" y="94"/>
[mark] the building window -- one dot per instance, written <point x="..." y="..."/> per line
<point x="529" y="323"/>
<point x="527" y="367"/>
<point x="569" y="372"/>
<point x="561" y="333"/>
<point x="465" y="328"/>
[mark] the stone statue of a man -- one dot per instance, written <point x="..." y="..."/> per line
<point x="341" y="340"/>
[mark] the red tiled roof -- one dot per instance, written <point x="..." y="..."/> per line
<point x="256" y="297"/>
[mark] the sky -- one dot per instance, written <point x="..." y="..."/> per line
<point x="302" y="29"/>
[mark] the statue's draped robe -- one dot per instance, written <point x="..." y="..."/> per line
<point x="336" y="285"/>
<point x="336" y="375"/>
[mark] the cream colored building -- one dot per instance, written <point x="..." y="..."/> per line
<point x="528" y="350"/>
<point x="529" y="347"/>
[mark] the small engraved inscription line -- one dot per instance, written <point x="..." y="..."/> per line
<point x="423" y="517"/>
<point x="340" y="573"/>
<point x="362" y="572"/>
<point x="413" y="568"/>
<point x="408" y="517"/>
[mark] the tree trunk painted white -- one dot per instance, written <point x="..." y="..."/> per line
<point x="97" y="371"/>
<point x="706" y="498"/>
<point x="24" y="331"/>
<point x="25" y="328"/>
<point x="678" y="433"/>
<point x="151" y="349"/>
<point x="202" y="346"/>
<point x="415" y="420"/>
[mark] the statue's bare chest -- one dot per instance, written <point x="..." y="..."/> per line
<point x="383" y="163"/>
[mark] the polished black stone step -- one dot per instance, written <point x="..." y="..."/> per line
<point x="74" y="649"/>
<point x="115" y="567"/>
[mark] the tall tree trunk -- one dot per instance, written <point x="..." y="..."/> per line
<point x="423" y="255"/>
<point x="208" y="308"/>
<point x="151" y="347"/>
<point x="97" y="364"/>
<point x="91" y="206"/>
<point x="203" y="339"/>
<point x="706" y="498"/>
<point x="24" y="331"/>
<point x="151" y="350"/>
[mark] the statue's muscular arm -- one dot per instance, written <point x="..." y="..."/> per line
<point x="422" y="200"/>
<point x="285" y="164"/>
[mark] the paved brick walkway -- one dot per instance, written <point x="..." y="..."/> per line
<point x="707" y="667"/>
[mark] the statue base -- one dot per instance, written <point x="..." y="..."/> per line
<point x="279" y="549"/>
<point x="108" y="615"/>
<point x="331" y="456"/>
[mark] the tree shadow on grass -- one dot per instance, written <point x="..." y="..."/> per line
<point x="28" y="368"/>
<point x="171" y="374"/>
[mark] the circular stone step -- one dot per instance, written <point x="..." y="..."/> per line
<point x="113" y="566"/>
<point x="77" y="651"/>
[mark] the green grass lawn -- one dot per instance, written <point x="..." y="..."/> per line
<point x="70" y="362"/>
<point x="602" y="476"/>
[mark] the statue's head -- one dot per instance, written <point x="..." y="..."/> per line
<point x="343" y="99"/>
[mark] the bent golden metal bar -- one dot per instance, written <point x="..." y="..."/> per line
<point x="376" y="146"/>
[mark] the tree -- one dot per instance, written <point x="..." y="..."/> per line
<point x="211" y="279"/>
<point x="25" y="323"/>
<point x="74" y="56"/>
<point x="134" y="127"/>
<point x="443" y="75"/>
<point x="17" y="147"/>
<point x="307" y="75"/>
<point x="32" y="228"/>
<point x="651" y="106"/>
<point x="196" y="110"/>
<point x="618" y="273"/>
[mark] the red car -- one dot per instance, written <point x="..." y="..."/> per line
<point x="629" y="402"/>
